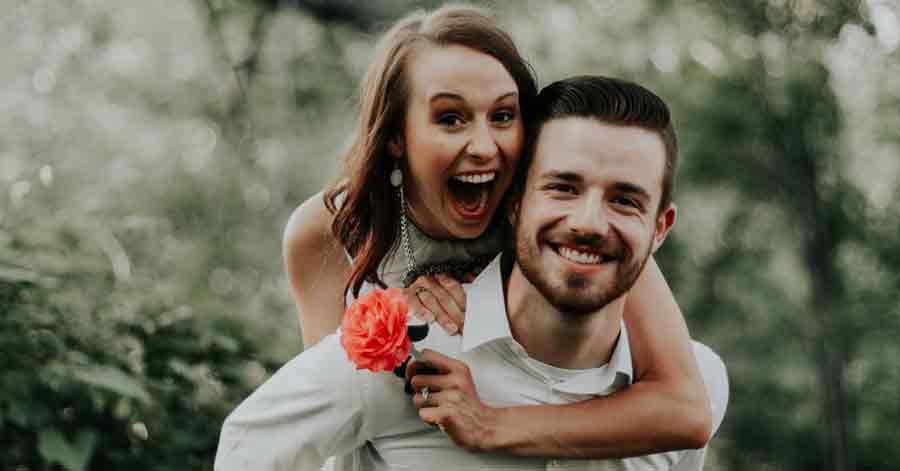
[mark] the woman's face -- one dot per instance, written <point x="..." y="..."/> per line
<point x="462" y="139"/>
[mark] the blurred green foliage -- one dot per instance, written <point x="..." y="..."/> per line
<point x="151" y="154"/>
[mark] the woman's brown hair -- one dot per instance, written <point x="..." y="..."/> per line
<point x="366" y="221"/>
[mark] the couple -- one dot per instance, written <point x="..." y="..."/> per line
<point x="548" y="322"/>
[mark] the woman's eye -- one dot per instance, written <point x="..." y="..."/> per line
<point x="504" y="116"/>
<point x="561" y="188"/>
<point x="450" y="120"/>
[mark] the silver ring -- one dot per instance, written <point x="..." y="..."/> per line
<point x="424" y="391"/>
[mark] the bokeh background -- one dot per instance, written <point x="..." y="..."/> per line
<point x="151" y="152"/>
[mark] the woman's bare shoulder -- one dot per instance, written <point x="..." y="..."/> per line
<point x="317" y="267"/>
<point x="309" y="226"/>
<point x="308" y="243"/>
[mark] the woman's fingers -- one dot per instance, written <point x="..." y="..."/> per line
<point x="415" y="367"/>
<point x="456" y="291"/>
<point x="437" y="398"/>
<point x="434" y="382"/>
<point x="416" y="307"/>
<point x="443" y="363"/>
<point x="440" y="302"/>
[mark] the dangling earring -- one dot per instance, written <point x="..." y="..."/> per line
<point x="396" y="176"/>
<point x="397" y="182"/>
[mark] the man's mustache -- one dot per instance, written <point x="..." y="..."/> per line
<point x="596" y="243"/>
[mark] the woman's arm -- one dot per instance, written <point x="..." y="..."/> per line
<point x="317" y="268"/>
<point x="665" y="409"/>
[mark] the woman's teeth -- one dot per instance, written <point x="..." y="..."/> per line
<point x="579" y="257"/>
<point x="476" y="177"/>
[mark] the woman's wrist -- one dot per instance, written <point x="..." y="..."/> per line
<point x="499" y="433"/>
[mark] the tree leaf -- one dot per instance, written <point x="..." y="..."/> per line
<point x="54" y="448"/>
<point x="112" y="379"/>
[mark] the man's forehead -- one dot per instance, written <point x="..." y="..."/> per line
<point x="590" y="148"/>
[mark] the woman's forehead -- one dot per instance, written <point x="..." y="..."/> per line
<point x="458" y="72"/>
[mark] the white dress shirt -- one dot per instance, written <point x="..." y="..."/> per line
<point x="319" y="405"/>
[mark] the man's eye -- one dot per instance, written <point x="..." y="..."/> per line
<point x="625" y="201"/>
<point x="450" y="120"/>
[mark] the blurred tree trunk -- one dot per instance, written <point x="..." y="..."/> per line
<point x="826" y="299"/>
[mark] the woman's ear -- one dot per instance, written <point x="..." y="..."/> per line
<point x="395" y="147"/>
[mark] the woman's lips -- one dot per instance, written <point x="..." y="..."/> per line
<point x="470" y="193"/>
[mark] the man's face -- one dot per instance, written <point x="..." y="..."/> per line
<point x="588" y="219"/>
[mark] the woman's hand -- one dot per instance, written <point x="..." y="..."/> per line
<point x="438" y="298"/>
<point x="452" y="404"/>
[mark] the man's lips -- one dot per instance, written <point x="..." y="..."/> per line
<point x="582" y="255"/>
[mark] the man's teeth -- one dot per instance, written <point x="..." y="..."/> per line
<point x="579" y="257"/>
<point x="476" y="177"/>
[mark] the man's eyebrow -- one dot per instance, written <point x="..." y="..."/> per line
<point x="631" y="188"/>
<point x="561" y="175"/>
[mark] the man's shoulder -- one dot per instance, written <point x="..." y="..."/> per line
<point x="715" y="378"/>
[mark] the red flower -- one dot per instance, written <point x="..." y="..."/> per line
<point x="373" y="331"/>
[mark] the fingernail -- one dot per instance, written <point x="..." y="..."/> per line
<point x="428" y="317"/>
<point x="451" y="329"/>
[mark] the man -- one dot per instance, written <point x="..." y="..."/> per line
<point x="544" y="324"/>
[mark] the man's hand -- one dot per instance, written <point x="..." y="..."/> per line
<point x="452" y="404"/>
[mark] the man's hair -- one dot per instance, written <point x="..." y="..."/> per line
<point x="610" y="101"/>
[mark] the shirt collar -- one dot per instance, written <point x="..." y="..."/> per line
<point x="487" y="320"/>
<point x="614" y="375"/>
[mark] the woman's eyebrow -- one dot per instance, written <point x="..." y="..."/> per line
<point x="506" y="95"/>
<point x="457" y="97"/>
<point x="446" y="96"/>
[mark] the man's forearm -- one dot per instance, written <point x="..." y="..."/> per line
<point x="636" y="421"/>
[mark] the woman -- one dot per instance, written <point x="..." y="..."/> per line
<point x="440" y="133"/>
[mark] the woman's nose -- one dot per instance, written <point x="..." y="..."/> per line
<point x="482" y="144"/>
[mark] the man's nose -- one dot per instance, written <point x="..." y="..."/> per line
<point x="482" y="144"/>
<point x="589" y="216"/>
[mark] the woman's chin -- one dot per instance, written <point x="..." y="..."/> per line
<point x="470" y="227"/>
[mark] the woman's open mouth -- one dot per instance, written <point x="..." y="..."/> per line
<point x="471" y="192"/>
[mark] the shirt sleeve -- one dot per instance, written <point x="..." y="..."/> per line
<point x="715" y="378"/>
<point x="312" y="408"/>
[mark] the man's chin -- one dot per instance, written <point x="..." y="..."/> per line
<point x="583" y="304"/>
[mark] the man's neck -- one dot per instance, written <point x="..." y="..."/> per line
<point x="556" y="338"/>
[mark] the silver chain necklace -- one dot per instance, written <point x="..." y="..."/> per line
<point x="404" y="236"/>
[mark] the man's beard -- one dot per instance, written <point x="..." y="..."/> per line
<point x="576" y="294"/>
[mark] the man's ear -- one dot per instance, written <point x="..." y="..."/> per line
<point x="395" y="146"/>
<point x="664" y="222"/>
<point x="513" y="203"/>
